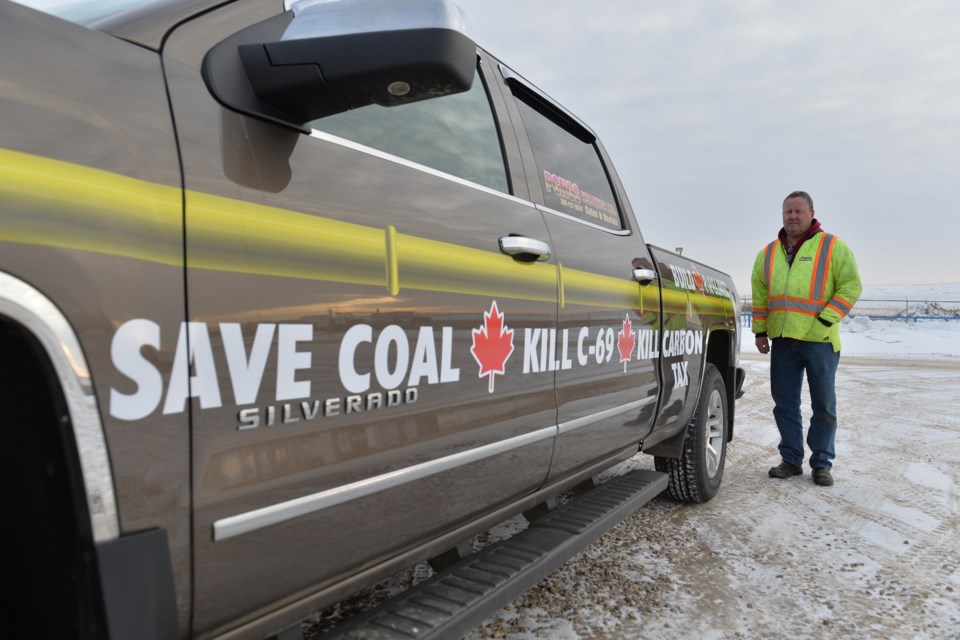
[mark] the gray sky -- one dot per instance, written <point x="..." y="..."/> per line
<point x="714" y="110"/>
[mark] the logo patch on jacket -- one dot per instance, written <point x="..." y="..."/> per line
<point x="806" y="259"/>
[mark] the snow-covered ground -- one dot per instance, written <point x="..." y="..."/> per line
<point x="875" y="556"/>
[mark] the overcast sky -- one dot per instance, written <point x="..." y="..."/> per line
<point x="714" y="110"/>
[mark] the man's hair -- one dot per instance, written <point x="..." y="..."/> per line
<point x="801" y="194"/>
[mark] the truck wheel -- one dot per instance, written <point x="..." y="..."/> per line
<point x="696" y="475"/>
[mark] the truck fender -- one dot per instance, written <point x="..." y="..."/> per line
<point x="672" y="447"/>
<point x="38" y="315"/>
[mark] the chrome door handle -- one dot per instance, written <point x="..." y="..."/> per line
<point x="644" y="276"/>
<point x="525" y="249"/>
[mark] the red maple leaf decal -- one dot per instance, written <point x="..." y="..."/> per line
<point x="698" y="280"/>
<point x="626" y="341"/>
<point x="492" y="344"/>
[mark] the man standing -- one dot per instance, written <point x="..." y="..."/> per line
<point x="804" y="283"/>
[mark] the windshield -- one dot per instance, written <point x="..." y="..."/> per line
<point x="84" y="11"/>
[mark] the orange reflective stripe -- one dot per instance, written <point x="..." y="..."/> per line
<point x="770" y="254"/>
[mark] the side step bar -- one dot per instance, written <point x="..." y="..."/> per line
<point x="452" y="602"/>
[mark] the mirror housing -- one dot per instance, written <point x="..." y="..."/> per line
<point x="332" y="56"/>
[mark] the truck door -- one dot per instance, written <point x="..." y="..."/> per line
<point x="355" y="332"/>
<point x="605" y="352"/>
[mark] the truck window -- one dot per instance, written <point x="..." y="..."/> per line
<point x="455" y="134"/>
<point x="572" y="176"/>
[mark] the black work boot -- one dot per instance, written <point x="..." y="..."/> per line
<point x="822" y="477"/>
<point x="785" y="470"/>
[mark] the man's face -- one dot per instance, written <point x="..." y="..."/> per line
<point x="797" y="217"/>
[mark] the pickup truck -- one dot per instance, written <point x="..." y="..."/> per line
<point x="295" y="295"/>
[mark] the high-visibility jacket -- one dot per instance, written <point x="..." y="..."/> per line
<point x="789" y="299"/>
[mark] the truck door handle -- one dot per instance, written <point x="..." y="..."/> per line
<point x="644" y="276"/>
<point x="525" y="249"/>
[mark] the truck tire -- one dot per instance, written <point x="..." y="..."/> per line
<point x="696" y="475"/>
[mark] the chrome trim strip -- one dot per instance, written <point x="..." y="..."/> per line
<point x="281" y="512"/>
<point x="31" y="309"/>
<point x="586" y="421"/>
<point x="615" y="232"/>
<point x="323" y="18"/>
<point x="510" y="74"/>
<point x="356" y="146"/>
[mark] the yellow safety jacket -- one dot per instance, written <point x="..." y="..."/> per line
<point x="822" y="283"/>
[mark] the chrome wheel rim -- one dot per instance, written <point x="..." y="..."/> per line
<point x="714" y="432"/>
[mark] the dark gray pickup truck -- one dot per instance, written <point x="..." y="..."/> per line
<point x="296" y="295"/>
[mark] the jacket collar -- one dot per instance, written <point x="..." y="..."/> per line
<point x="814" y="229"/>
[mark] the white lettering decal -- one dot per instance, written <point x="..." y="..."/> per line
<point x="552" y="362"/>
<point x="246" y="374"/>
<point x="581" y="354"/>
<point x="126" y="351"/>
<point x="531" y="338"/>
<point x="448" y="373"/>
<point x="352" y="381"/>
<point x="680" y="377"/>
<point x="194" y="352"/>
<point x="289" y="361"/>
<point x="565" y="362"/>
<point x="424" y="363"/>
<point x="387" y="378"/>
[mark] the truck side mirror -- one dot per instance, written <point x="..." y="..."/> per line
<point x="323" y="58"/>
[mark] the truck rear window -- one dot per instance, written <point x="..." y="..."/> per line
<point x="572" y="176"/>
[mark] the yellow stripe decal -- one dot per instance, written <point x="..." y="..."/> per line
<point x="71" y="206"/>
<point x="393" y="268"/>
<point x="65" y="205"/>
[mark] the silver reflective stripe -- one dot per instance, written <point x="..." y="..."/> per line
<point x="29" y="308"/>
<point x="785" y="304"/>
<point x="284" y="511"/>
<point x="842" y="306"/>
<point x="824" y="252"/>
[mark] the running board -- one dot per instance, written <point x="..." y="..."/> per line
<point x="455" y="601"/>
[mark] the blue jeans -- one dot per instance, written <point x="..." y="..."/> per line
<point x="788" y="362"/>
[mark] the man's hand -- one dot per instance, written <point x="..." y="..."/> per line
<point x="763" y="344"/>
